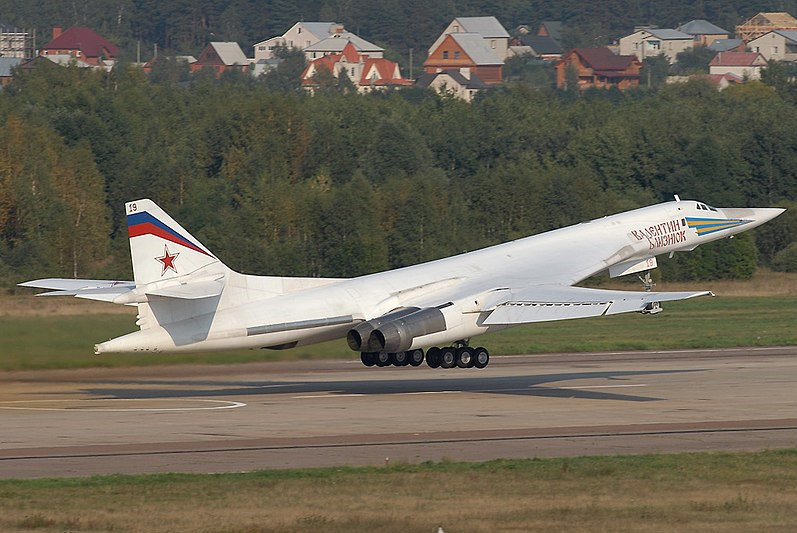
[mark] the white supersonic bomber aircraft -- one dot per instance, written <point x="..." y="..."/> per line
<point x="188" y="300"/>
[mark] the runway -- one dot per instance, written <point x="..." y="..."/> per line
<point x="333" y="413"/>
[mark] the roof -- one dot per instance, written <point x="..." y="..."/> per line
<point x="319" y="29"/>
<point x="717" y="78"/>
<point x="737" y="59"/>
<point x="386" y="70"/>
<point x="554" y="28"/>
<point x="487" y="27"/>
<point x="789" y="35"/>
<point x="337" y="42"/>
<point x="781" y="19"/>
<point x="669" y="35"/>
<point x="604" y="59"/>
<point x="702" y="27"/>
<point x="474" y="46"/>
<point x="89" y="42"/>
<point x="6" y="64"/>
<point x="541" y="44"/>
<point x="425" y="80"/>
<point x="725" y="45"/>
<point x="230" y="53"/>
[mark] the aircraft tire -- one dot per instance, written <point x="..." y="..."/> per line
<point x="448" y="357"/>
<point x="382" y="359"/>
<point x="400" y="358"/>
<point x="433" y="357"/>
<point x="368" y="358"/>
<point x="465" y="357"/>
<point x="481" y="357"/>
<point x="416" y="357"/>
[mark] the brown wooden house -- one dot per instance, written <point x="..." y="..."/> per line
<point x="598" y="67"/>
<point x="458" y="51"/>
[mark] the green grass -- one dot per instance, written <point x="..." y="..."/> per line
<point x="725" y="492"/>
<point x="67" y="341"/>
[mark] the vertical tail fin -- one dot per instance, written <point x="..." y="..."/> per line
<point x="160" y="248"/>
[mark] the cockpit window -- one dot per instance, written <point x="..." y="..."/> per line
<point x="705" y="207"/>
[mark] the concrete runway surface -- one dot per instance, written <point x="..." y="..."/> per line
<point x="331" y="413"/>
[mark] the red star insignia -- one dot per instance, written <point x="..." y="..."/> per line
<point x="167" y="260"/>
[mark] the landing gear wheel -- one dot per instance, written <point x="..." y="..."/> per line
<point x="433" y="357"/>
<point x="382" y="359"/>
<point x="400" y="359"/>
<point x="416" y="357"/>
<point x="465" y="357"/>
<point x="448" y="357"/>
<point x="368" y="358"/>
<point x="481" y="357"/>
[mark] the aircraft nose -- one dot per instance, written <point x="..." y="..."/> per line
<point x="756" y="215"/>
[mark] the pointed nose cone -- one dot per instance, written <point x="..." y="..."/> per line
<point x="752" y="217"/>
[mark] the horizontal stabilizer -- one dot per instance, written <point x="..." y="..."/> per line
<point x="89" y="289"/>
<point x="543" y="304"/>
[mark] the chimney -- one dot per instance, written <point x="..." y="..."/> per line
<point x="56" y="32"/>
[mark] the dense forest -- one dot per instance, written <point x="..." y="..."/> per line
<point x="185" y="26"/>
<point x="277" y="182"/>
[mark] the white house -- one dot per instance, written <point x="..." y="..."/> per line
<point x="780" y="45"/>
<point x="746" y="65"/>
<point x="301" y="35"/>
<point x="458" y="83"/>
<point x="491" y="31"/>
<point x="650" y="42"/>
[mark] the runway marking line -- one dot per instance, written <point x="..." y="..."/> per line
<point x="356" y="395"/>
<point x="227" y="405"/>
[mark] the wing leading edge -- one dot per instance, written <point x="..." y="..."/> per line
<point x="548" y="303"/>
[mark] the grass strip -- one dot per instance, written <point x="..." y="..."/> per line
<point x="28" y="342"/>
<point x="716" y="492"/>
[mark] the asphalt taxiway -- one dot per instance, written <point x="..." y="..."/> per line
<point x="331" y="413"/>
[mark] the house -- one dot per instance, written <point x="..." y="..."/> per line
<point x="597" y="67"/>
<point x="746" y="65"/>
<point x="495" y="37"/>
<point x="651" y="42"/>
<point x="552" y="29"/>
<point x="727" y="45"/>
<point x="765" y="23"/>
<point x="780" y="45"/>
<point x="14" y="42"/>
<point x="457" y="51"/>
<point x="461" y="83"/>
<point x="541" y="47"/>
<point x="366" y="73"/>
<point x="7" y="64"/>
<point x="315" y="39"/>
<point x="82" y="44"/>
<point x="221" y="57"/>
<point x="335" y="43"/>
<point x="703" y="32"/>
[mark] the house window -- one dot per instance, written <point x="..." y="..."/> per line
<point x="774" y="49"/>
<point x="445" y="54"/>
<point x="261" y="48"/>
<point x="654" y="45"/>
<point x="352" y="72"/>
<point x="493" y="43"/>
<point x="456" y="54"/>
<point x="300" y="29"/>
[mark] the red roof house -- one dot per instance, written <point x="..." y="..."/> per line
<point x="746" y="65"/>
<point x="367" y="73"/>
<point x="83" y="44"/>
<point x="598" y="67"/>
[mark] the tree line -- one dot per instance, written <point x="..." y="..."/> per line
<point x="340" y="184"/>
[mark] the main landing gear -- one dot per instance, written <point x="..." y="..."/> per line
<point x="448" y="357"/>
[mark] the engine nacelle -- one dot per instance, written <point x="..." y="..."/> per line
<point x="358" y="337"/>
<point x="397" y="335"/>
